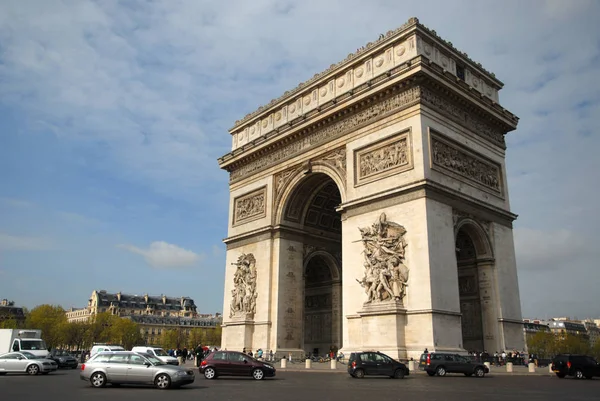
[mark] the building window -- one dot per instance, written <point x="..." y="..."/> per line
<point x="460" y="71"/>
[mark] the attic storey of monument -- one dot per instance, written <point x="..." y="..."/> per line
<point x="352" y="194"/>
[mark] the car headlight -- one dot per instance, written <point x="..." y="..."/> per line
<point x="182" y="373"/>
<point x="269" y="367"/>
<point x="61" y="359"/>
<point x="46" y="363"/>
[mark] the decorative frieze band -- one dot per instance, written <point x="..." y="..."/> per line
<point x="454" y="111"/>
<point x="382" y="159"/>
<point x="448" y="157"/>
<point x="403" y="99"/>
<point x="250" y="206"/>
<point x="311" y="137"/>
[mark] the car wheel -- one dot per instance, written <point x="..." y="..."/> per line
<point x="399" y="374"/>
<point x="98" y="380"/>
<point x="560" y="375"/>
<point x="162" y="381"/>
<point x="441" y="371"/>
<point x="431" y="373"/>
<point x="210" y="373"/>
<point x="258" y="374"/>
<point x="578" y="374"/>
<point x="479" y="372"/>
<point x="359" y="373"/>
<point x="33" y="369"/>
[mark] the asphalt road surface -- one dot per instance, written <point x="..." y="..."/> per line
<point x="308" y="386"/>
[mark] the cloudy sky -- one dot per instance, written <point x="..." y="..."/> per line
<point x="113" y="113"/>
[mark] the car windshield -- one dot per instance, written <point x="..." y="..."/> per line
<point x="160" y="352"/>
<point x="33" y="345"/>
<point x="62" y="353"/>
<point x="154" y="360"/>
<point x="28" y="355"/>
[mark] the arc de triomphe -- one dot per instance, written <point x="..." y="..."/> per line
<point x="369" y="209"/>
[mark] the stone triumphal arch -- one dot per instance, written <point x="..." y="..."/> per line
<point x="369" y="209"/>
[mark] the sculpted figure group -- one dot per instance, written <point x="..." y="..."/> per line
<point x="386" y="276"/>
<point x="244" y="286"/>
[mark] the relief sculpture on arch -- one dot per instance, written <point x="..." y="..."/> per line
<point x="386" y="275"/>
<point x="243" y="295"/>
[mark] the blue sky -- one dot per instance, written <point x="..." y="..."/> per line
<point x="113" y="113"/>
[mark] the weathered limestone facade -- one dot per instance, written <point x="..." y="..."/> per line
<point x="369" y="209"/>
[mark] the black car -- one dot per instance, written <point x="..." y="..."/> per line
<point x="438" y="363"/>
<point x="64" y="360"/>
<point x="233" y="363"/>
<point x="578" y="366"/>
<point x="375" y="363"/>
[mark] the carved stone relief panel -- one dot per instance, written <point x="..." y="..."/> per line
<point x="389" y="156"/>
<point x="386" y="275"/>
<point x="250" y="206"/>
<point x="459" y="162"/>
<point x="243" y="295"/>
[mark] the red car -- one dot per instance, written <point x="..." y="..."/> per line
<point x="233" y="363"/>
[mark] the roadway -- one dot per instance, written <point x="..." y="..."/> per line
<point x="307" y="386"/>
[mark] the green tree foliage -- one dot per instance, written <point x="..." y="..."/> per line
<point x="596" y="350"/>
<point x="49" y="319"/>
<point x="126" y="333"/>
<point x="547" y="344"/>
<point x="10" y="323"/>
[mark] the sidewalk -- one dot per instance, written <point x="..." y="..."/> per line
<point x="342" y="368"/>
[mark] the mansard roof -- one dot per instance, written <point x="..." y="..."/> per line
<point x="137" y="301"/>
<point x="175" y="321"/>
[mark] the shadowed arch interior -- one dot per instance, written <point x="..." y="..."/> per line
<point x="313" y="204"/>
<point x="311" y="210"/>
<point x="470" y="248"/>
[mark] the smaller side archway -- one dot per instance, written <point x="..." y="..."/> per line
<point x="322" y="303"/>
<point x="476" y="287"/>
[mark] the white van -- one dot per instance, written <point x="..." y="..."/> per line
<point x="157" y="352"/>
<point x="105" y="347"/>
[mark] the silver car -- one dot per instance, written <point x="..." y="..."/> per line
<point x="126" y="367"/>
<point x="25" y="362"/>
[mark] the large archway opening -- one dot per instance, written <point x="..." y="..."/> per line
<point x="311" y="210"/>
<point x="469" y="292"/>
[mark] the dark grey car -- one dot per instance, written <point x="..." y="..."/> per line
<point x="126" y="367"/>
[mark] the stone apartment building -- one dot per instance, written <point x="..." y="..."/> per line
<point x="153" y="314"/>
<point x="8" y="311"/>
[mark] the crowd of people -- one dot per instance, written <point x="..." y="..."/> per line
<point x="196" y="355"/>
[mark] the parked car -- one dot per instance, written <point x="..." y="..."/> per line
<point x="439" y="363"/>
<point x="64" y="359"/>
<point x="25" y="362"/>
<point x="578" y="366"/>
<point x="105" y="347"/>
<point x="233" y="363"/>
<point x="157" y="352"/>
<point x="126" y="367"/>
<point x="375" y="363"/>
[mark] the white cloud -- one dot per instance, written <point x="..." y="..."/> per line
<point x="19" y="243"/>
<point x="161" y="254"/>
<point x="17" y="203"/>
